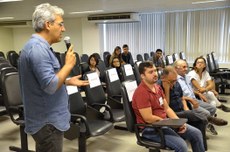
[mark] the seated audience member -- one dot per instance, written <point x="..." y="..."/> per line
<point x="116" y="53"/>
<point x="115" y="63"/>
<point x="93" y="62"/>
<point x="158" y="59"/>
<point x="174" y="97"/>
<point x="203" y="85"/>
<point x="150" y="106"/>
<point x="126" y="55"/>
<point x="181" y="69"/>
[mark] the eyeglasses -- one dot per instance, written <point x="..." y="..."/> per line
<point x="61" y="24"/>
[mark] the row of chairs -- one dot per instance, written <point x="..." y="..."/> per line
<point x="221" y="75"/>
<point x="86" y="118"/>
<point x="12" y="56"/>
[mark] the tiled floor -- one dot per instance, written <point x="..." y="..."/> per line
<point x="115" y="140"/>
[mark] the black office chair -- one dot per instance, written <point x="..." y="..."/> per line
<point x="2" y="54"/>
<point x="107" y="59"/>
<point x="113" y="86"/>
<point x="175" y="57"/>
<point x="14" y="106"/>
<point x="152" y="54"/>
<point x="127" y="72"/>
<point x="127" y="91"/>
<point x="182" y="56"/>
<point x="221" y="82"/>
<point x="139" y="57"/>
<point x="13" y="58"/>
<point x="84" y="58"/>
<point x="102" y="67"/>
<point x="86" y="122"/>
<point x="137" y="73"/>
<point x="146" y="56"/>
<point x="169" y="59"/>
<point x="95" y="97"/>
<point x="216" y="64"/>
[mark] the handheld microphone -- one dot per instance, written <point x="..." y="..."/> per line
<point x="67" y="42"/>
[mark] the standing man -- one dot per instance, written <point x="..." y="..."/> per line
<point x="126" y="55"/>
<point x="150" y="106"/>
<point x="43" y="83"/>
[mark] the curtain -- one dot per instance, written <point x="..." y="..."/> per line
<point x="195" y="33"/>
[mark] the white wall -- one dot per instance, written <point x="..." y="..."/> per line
<point x="90" y="37"/>
<point x="6" y="39"/>
<point x="84" y="36"/>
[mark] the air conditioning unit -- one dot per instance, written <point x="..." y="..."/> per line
<point x="13" y="24"/>
<point x="114" y="18"/>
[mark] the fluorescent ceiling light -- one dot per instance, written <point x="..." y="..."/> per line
<point x="2" y="1"/>
<point x="210" y="1"/>
<point x="6" y="18"/>
<point x="86" y="12"/>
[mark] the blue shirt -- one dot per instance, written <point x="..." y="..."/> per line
<point x="43" y="103"/>
<point x="186" y="86"/>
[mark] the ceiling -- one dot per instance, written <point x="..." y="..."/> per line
<point x="22" y="10"/>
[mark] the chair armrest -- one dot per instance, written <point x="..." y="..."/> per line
<point x="12" y="110"/>
<point x="114" y="103"/>
<point x="107" y="107"/>
<point x="76" y="118"/>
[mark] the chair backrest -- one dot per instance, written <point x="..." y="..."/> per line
<point x="137" y="73"/>
<point x="169" y="59"/>
<point x="113" y="84"/>
<point x="146" y="56"/>
<point x="127" y="90"/>
<point x="175" y="57"/>
<point x="12" y="97"/>
<point x="84" y="66"/>
<point x="2" y="54"/>
<point x="182" y="56"/>
<point x="215" y="60"/>
<point x="94" y="92"/>
<point x="152" y="54"/>
<point x="107" y="59"/>
<point x="84" y="58"/>
<point x="101" y="66"/>
<point x="139" y="57"/>
<point x="77" y="105"/>
<point x="127" y="72"/>
<point x="210" y="62"/>
<point x="13" y="58"/>
<point x="105" y="54"/>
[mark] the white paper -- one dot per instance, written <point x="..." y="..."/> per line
<point x="170" y="58"/>
<point x="130" y="88"/>
<point x="113" y="76"/>
<point x="128" y="69"/>
<point x="138" y="63"/>
<point x="94" y="80"/>
<point x="71" y="89"/>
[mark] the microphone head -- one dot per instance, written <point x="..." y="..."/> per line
<point x="67" y="39"/>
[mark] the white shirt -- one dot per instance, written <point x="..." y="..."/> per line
<point x="203" y="80"/>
